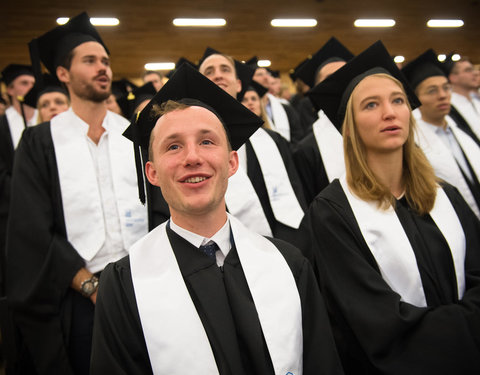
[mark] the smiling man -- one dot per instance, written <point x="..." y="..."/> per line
<point x="74" y="206"/>
<point x="201" y="293"/>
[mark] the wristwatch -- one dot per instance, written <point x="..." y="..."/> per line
<point x="89" y="286"/>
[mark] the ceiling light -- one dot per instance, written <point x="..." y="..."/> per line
<point x="399" y="59"/>
<point x="211" y="22"/>
<point x="445" y="23"/>
<point x="374" y="23"/>
<point x="96" y="21"/>
<point x="160" y="66"/>
<point x="456" y="57"/>
<point x="441" y="57"/>
<point x="264" y="63"/>
<point x="286" y="22"/>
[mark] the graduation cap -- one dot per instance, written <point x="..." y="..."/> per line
<point x="189" y="86"/>
<point x="258" y="88"/>
<point x="47" y="84"/>
<point x="332" y="94"/>
<point x="424" y="66"/>
<point x="53" y="47"/>
<point x="252" y="62"/>
<point x="12" y="71"/>
<point x="293" y="72"/>
<point x="244" y="71"/>
<point x="122" y="87"/>
<point x="178" y="64"/>
<point x="331" y="51"/>
<point x="130" y="101"/>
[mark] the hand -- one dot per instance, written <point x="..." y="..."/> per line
<point x="93" y="297"/>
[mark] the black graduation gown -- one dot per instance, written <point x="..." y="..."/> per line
<point x="254" y="172"/>
<point x="6" y="166"/>
<point x="41" y="262"/>
<point x="225" y="307"/>
<point x="308" y="114"/>
<point x="375" y="332"/>
<point x="296" y="129"/>
<point x="158" y="208"/>
<point x="310" y="167"/>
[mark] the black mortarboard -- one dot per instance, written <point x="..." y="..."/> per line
<point x="274" y="73"/>
<point x="49" y="83"/>
<point x="252" y="62"/>
<point x="293" y="72"/>
<point x="333" y="93"/>
<point x="331" y="51"/>
<point x="255" y="86"/>
<point x="12" y="71"/>
<point x="53" y="47"/>
<point x="424" y="66"/>
<point x="244" y="72"/>
<point x="122" y="87"/>
<point x="130" y="101"/>
<point x="178" y="64"/>
<point x="188" y="83"/>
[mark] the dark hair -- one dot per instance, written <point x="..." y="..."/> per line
<point x="147" y="72"/>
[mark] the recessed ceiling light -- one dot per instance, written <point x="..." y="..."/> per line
<point x="399" y="59"/>
<point x="445" y="23"/>
<point x="160" y="66"/>
<point x="456" y="57"/>
<point x="96" y="21"/>
<point x="264" y="63"/>
<point x="286" y="22"/>
<point x="441" y="57"/>
<point x="209" y="22"/>
<point x="374" y="23"/>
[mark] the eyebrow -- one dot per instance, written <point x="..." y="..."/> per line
<point x="178" y="135"/>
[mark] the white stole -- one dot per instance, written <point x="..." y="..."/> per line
<point x="176" y="340"/>
<point x="82" y="205"/>
<point x="280" y="119"/>
<point x="16" y="124"/>
<point x="443" y="162"/>
<point x="242" y="202"/>
<point x="330" y="146"/>
<point x="392" y="250"/>
<point x="284" y="202"/>
<point x="468" y="110"/>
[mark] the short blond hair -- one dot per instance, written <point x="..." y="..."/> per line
<point x="418" y="174"/>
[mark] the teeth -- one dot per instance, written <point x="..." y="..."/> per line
<point x="195" y="180"/>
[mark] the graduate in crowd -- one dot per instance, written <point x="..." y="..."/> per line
<point x="265" y="194"/>
<point x="454" y="155"/>
<point x="463" y="79"/>
<point x="300" y="89"/>
<point x="155" y="77"/>
<point x="120" y="88"/>
<point x="201" y="293"/>
<point x="252" y="99"/>
<point x="396" y="253"/>
<point x="136" y="100"/>
<point x="284" y="118"/>
<point x="319" y="156"/>
<point x="48" y="96"/>
<point x="74" y="207"/>
<point x="19" y="80"/>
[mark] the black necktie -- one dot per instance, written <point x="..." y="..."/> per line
<point x="210" y="249"/>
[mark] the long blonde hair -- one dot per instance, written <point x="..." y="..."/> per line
<point x="418" y="175"/>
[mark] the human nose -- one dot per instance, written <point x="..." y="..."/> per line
<point x="388" y="111"/>
<point x="192" y="156"/>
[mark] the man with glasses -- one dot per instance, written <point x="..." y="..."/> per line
<point x="452" y="152"/>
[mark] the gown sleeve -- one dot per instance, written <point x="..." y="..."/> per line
<point x="374" y="330"/>
<point x="41" y="263"/>
<point x="118" y="343"/>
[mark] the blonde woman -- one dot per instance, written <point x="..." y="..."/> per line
<point x="396" y="253"/>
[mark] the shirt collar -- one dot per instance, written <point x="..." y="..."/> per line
<point x="221" y="238"/>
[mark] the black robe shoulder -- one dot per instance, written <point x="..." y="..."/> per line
<point x="225" y="306"/>
<point x="376" y="333"/>
<point x="41" y="263"/>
